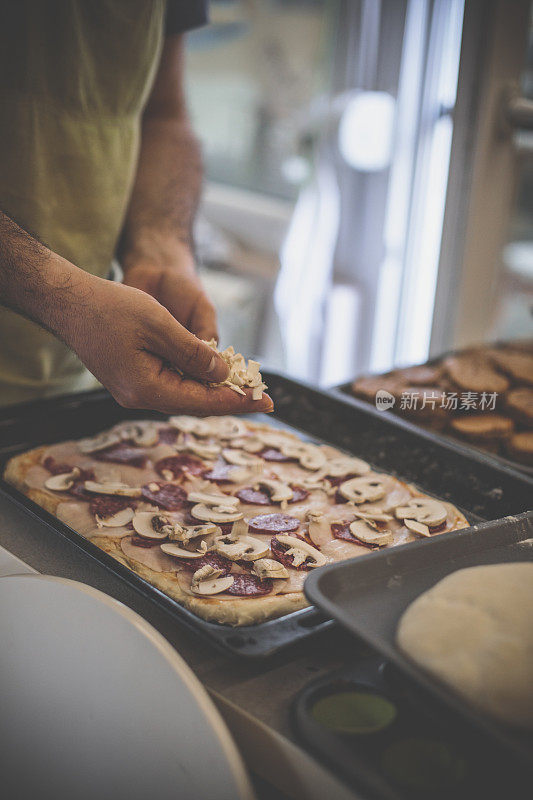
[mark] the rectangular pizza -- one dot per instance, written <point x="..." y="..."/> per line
<point x="225" y="515"/>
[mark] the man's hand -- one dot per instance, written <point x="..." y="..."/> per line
<point x="178" y="288"/>
<point x="131" y="343"/>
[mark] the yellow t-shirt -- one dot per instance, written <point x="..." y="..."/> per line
<point x="76" y="75"/>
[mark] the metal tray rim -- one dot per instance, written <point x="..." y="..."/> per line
<point x="449" y="442"/>
<point x="416" y="674"/>
<point x="12" y="414"/>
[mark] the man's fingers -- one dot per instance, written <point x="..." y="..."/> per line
<point x="204" y="319"/>
<point x="190" y="301"/>
<point x="172" y="394"/>
<point x="186" y="352"/>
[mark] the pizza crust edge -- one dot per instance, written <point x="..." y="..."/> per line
<point x="238" y="612"/>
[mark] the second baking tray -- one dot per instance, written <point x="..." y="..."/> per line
<point x="369" y="595"/>
<point x="481" y="489"/>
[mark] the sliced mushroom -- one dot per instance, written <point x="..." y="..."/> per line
<point x="345" y="465"/>
<point x="100" y="442"/>
<point x="301" y="551"/>
<point x="365" y="489"/>
<point x="152" y="525"/>
<point x="227" y="427"/>
<point x="186" y="424"/>
<point x="371" y="513"/>
<point x="241" y="459"/>
<point x="278" y="440"/>
<point x="118" y="520"/>
<point x="213" y="499"/>
<point x="207" y="580"/>
<point x="244" y="548"/>
<point x="319" y="531"/>
<point x="423" y="509"/>
<point x="175" y="550"/>
<point x="203" y="450"/>
<point x="269" y="568"/>
<point x="309" y="455"/>
<point x="120" y="489"/>
<point x="182" y="533"/>
<point x="141" y="435"/>
<point x="313" y="482"/>
<point x="369" y="535"/>
<point x="63" y="482"/>
<point x="239" y="528"/>
<point x="221" y="513"/>
<point x="417" y="527"/>
<point x="277" y="490"/>
<point x="251" y="444"/>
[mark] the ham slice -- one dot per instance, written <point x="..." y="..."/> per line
<point x="294" y="583"/>
<point x="36" y="476"/>
<point x="78" y="516"/>
<point x="151" y="557"/>
<point x="338" y="550"/>
<point x="68" y="453"/>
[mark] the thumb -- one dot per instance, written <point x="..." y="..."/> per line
<point x="189" y="354"/>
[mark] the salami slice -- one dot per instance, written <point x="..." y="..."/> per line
<point x="225" y="527"/>
<point x="439" y="528"/>
<point x="141" y="541"/>
<point x="260" y="497"/>
<point x="213" y="559"/>
<point x="271" y="454"/>
<point x="122" y="453"/>
<point x="279" y="551"/>
<point x="274" y="523"/>
<point x="341" y="530"/>
<point x="254" y="496"/>
<point x="105" y="506"/>
<point x="170" y="497"/>
<point x="249" y="586"/>
<point x="179" y="464"/>
<point x="339" y="498"/>
<point x="339" y="479"/>
<point x="55" y="467"/>
<point x="168" y="435"/>
<point x="220" y="472"/>
<point x="78" y="487"/>
<point x="78" y="490"/>
<point x="298" y="494"/>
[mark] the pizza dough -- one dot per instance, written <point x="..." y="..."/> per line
<point x="242" y="511"/>
<point x="473" y="630"/>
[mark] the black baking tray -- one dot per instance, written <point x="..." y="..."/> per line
<point x="345" y="389"/>
<point x="368" y="595"/>
<point x="481" y="770"/>
<point x="481" y="489"/>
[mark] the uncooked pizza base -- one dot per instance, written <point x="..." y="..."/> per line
<point x="473" y="632"/>
<point x="24" y="472"/>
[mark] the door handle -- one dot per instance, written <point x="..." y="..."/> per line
<point x="516" y="120"/>
<point x="519" y="112"/>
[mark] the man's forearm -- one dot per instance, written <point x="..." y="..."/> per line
<point x="36" y="282"/>
<point x="165" y="194"/>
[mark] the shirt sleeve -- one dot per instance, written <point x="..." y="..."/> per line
<point x="184" y="16"/>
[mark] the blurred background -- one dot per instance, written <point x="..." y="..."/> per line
<point x="369" y="178"/>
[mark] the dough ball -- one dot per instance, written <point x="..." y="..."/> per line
<point x="474" y="631"/>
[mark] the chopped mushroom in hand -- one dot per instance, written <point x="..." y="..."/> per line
<point x="147" y="359"/>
